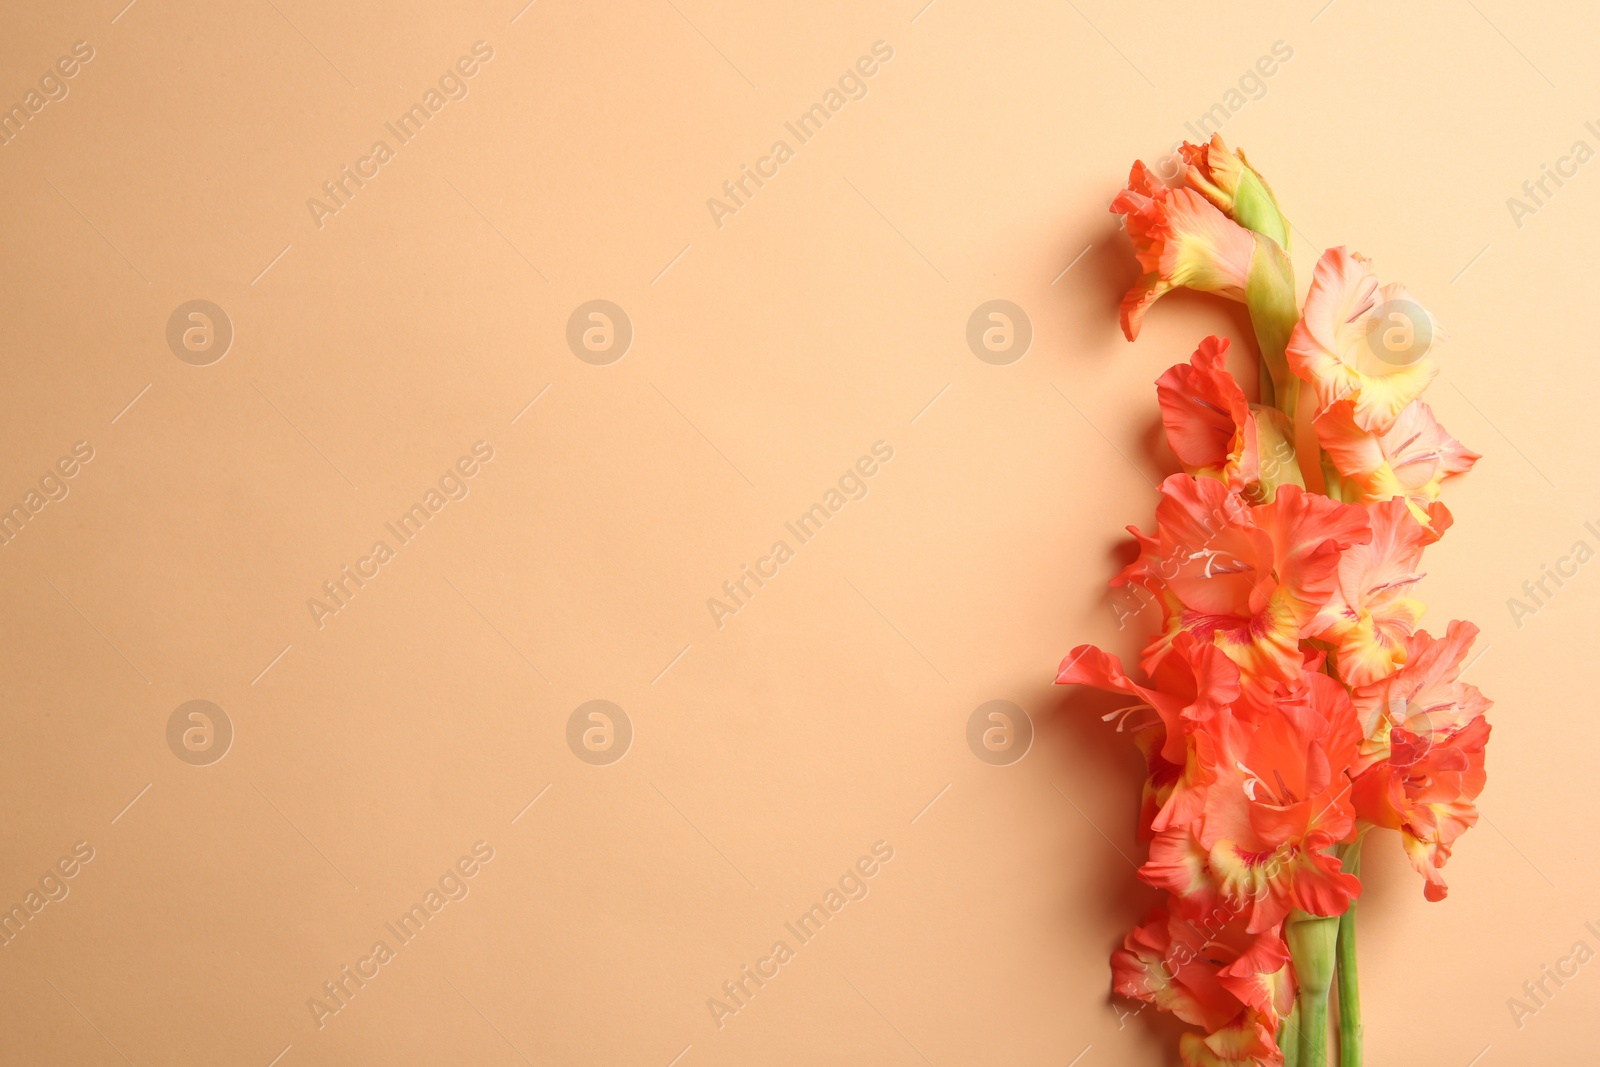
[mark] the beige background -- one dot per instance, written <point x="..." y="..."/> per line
<point x="769" y="354"/>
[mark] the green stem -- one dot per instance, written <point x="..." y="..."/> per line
<point x="1311" y="944"/>
<point x="1332" y="482"/>
<point x="1349" y="985"/>
<point x="1269" y="294"/>
<point x="1289" y="1037"/>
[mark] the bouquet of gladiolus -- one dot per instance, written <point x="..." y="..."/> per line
<point x="1290" y="701"/>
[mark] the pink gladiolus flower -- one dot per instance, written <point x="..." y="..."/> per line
<point x="1410" y="459"/>
<point x="1371" y="611"/>
<point x="1333" y="345"/>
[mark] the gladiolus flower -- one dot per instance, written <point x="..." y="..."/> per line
<point x="1245" y="1044"/>
<point x="1208" y="420"/>
<point x="1180" y="864"/>
<point x="1229" y="181"/>
<point x="1290" y="702"/>
<point x="1422" y="767"/>
<point x="1331" y="347"/>
<point x="1262" y="792"/>
<point x="1371" y="611"/>
<point x="1210" y="973"/>
<point x="1188" y="690"/>
<point x="1182" y="242"/>
<point x="1410" y="459"/>
<point x="1144" y="969"/>
<point x="1281" y="798"/>
<point x="1217" y="433"/>
<point x="1249" y="578"/>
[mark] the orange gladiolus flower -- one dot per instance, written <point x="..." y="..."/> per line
<point x="1182" y="242"/>
<point x="1211" y="973"/>
<point x="1260" y="789"/>
<point x="1208" y="421"/>
<point x="1291" y="702"/>
<point x="1229" y="181"/>
<point x="1422" y="767"/>
<point x="1217" y="433"/>
<point x="1188" y="690"/>
<point x="1281" y="797"/>
<point x="1250" y="578"/>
